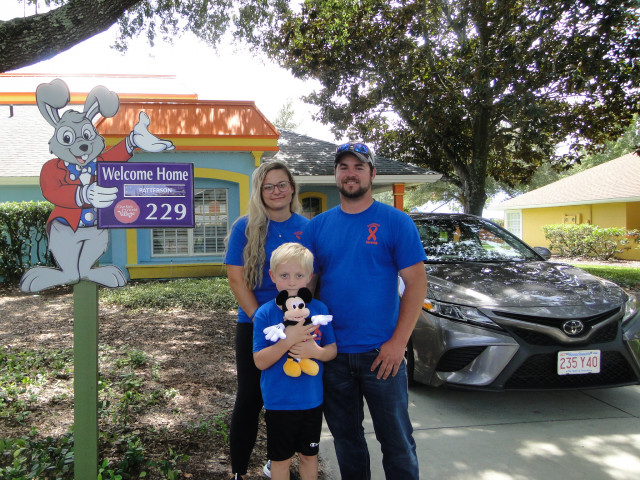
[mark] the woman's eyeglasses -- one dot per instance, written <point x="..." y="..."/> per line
<point x="282" y="187"/>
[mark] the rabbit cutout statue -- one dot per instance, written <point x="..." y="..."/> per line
<point x="69" y="182"/>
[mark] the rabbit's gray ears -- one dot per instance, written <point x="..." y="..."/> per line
<point x="101" y="100"/>
<point x="50" y="97"/>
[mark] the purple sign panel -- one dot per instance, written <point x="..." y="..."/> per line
<point x="150" y="195"/>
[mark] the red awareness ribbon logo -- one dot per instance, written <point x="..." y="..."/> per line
<point x="373" y="228"/>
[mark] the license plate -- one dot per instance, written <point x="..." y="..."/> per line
<point x="578" y="362"/>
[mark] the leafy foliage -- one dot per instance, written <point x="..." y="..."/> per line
<point x="28" y="40"/>
<point x="588" y="241"/>
<point x="627" y="143"/>
<point x="470" y="89"/>
<point x="285" y="119"/>
<point x="23" y="238"/>
<point x="125" y="387"/>
<point x="133" y="386"/>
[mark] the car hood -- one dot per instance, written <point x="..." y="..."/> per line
<point x="522" y="284"/>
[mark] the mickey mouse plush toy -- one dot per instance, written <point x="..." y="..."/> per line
<point x="295" y="311"/>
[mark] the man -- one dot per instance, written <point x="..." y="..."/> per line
<point x="360" y="248"/>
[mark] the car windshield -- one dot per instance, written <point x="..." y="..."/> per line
<point x="464" y="239"/>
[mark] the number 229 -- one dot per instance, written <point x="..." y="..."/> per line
<point x="180" y="210"/>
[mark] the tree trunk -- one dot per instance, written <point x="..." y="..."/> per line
<point x="474" y="198"/>
<point x="25" y="41"/>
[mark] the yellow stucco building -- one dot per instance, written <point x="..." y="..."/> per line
<point x="607" y="195"/>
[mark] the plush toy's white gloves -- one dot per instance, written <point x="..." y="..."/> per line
<point x="94" y="194"/>
<point x="321" y="319"/>
<point x="140" y="137"/>
<point x="274" y="332"/>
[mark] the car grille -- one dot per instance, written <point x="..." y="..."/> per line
<point x="590" y="320"/>
<point x="540" y="371"/>
<point x="458" y="358"/>
<point x="606" y="334"/>
<point x="533" y="337"/>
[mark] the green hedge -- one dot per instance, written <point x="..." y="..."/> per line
<point x="23" y="238"/>
<point x="590" y="241"/>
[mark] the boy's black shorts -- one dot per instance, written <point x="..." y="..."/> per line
<point x="291" y="431"/>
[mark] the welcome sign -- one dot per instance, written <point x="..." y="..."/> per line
<point x="150" y="195"/>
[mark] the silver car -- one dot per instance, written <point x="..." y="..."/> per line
<point x="498" y="315"/>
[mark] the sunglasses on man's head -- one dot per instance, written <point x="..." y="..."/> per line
<point x="354" y="147"/>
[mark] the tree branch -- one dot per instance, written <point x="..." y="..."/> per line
<point x="25" y="41"/>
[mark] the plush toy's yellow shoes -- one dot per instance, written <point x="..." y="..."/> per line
<point x="292" y="368"/>
<point x="309" y="366"/>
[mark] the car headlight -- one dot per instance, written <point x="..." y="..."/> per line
<point x="459" y="313"/>
<point x="630" y="308"/>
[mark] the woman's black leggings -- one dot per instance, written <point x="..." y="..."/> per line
<point x="246" y="411"/>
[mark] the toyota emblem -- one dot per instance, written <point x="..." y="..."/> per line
<point x="573" y="327"/>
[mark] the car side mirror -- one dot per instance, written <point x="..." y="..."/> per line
<point x="543" y="252"/>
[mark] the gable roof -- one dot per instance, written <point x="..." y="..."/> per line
<point x="311" y="161"/>
<point x="196" y="124"/>
<point x="617" y="180"/>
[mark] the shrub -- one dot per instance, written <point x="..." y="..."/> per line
<point x="584" y="240"/>
<point x="23" y="238"/>
<point x="187" y="293"/>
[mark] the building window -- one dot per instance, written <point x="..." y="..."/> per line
<point x="513" y="223"/>
<point x="207" y="238"/>
<point x="311" y="206"/>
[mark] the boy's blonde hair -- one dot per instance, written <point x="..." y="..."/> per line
<point x="292" y="251"/>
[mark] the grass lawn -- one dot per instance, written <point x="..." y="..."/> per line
<point x="626" y="277"/>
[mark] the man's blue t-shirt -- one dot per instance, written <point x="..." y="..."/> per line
<point x="358" y="257"/>
<point x="278" y="233"/>
<point x="279" y="391"/>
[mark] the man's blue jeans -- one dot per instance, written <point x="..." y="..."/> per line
<point x="347" y="380"/>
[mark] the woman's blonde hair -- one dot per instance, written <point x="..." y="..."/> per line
<point x="253" y="254"/>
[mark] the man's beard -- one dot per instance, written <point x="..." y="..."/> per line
<point x="353" y="194"/>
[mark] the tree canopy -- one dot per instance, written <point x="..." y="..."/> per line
<point x="472" y="89"/>
<point x="612" y="149"/>
<point x="28" y="40"/>
<point x="285" y="120"/>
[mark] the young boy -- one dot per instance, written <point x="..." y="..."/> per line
<point x="293" y="404"/>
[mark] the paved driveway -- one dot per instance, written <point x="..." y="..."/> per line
<point x="588" y="434"/>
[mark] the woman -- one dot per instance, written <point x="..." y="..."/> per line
<point x="272" y="220"/>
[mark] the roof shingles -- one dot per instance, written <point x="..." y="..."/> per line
<point x="307" y="156"/>
<point x="615" y="180"/>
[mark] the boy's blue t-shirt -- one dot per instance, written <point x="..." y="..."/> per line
<point x="279" y="391"/>
<point x="358" y="257"/>
<point x="278" y="233"/>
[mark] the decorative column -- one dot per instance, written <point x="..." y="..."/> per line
<point x="257" y="155"/>
<point x="398" y="196"/>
